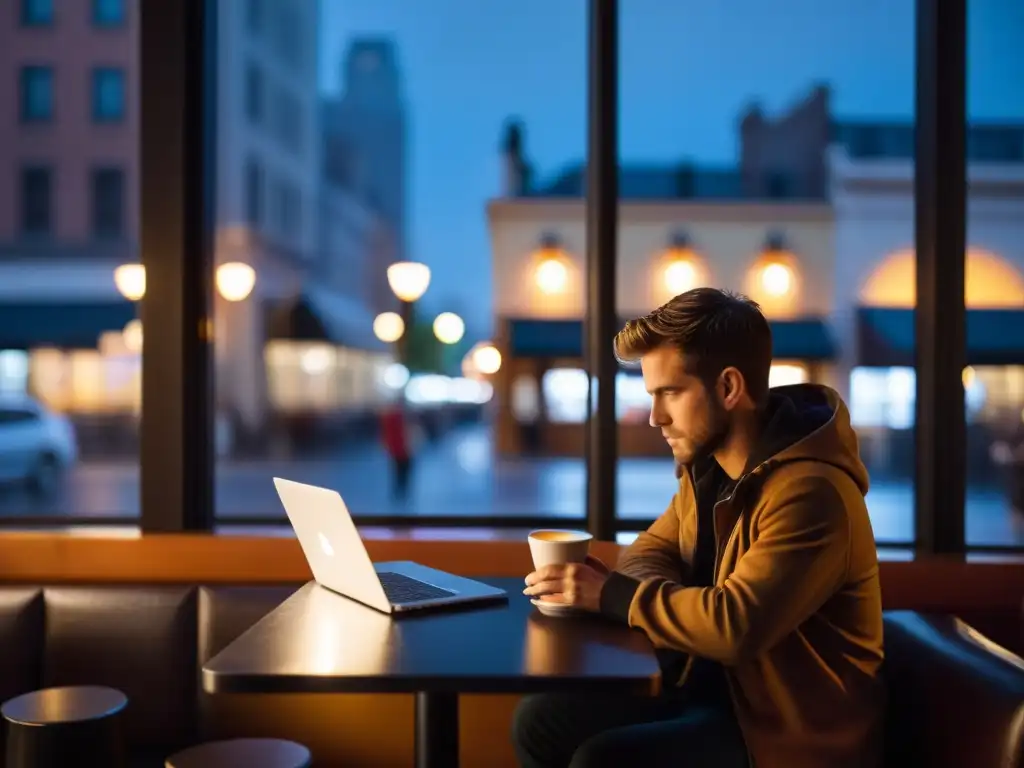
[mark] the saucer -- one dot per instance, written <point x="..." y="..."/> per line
<point x="554" y="609"/>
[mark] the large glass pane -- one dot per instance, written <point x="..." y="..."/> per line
<point x="771" y="153"/>
<point x="70" y="343"/>
<point x="994" y="378"/>
<point x="376" y="134"/>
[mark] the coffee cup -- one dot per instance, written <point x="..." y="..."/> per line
<point x="551" y="546"/>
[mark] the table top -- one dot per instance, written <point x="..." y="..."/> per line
<point x="69" y="704"/>
<point x="317" y="641"/>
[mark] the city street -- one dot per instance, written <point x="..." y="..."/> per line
<point x="458" y="477"/>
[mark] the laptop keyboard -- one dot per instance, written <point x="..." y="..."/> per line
<point x="403" y="589"/>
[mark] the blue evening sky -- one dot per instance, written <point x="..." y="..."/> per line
<point x="688" y="67"/>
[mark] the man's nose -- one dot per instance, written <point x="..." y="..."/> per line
<point x="658" y="417"/>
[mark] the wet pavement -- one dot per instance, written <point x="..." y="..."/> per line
<point x="458" y="476"/>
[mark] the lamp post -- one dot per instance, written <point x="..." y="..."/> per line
<point x="409" y="281"/>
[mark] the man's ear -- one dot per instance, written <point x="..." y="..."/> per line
<point x="732" y="386"/>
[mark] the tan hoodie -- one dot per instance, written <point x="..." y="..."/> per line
<point x="795" y="614"/>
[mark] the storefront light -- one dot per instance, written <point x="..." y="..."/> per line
<point x="777" y="277"/>
<point x="681" y="272"/>
<point x="552" y="271"/>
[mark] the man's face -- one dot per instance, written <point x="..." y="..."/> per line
<point x="691" y="418"/>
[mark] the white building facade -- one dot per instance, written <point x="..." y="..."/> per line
<point x="872" y="196"/>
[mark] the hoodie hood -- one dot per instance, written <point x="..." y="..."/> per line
<point x="808" y="422"/>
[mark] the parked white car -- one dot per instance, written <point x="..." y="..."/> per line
<point x="37" y="446"/>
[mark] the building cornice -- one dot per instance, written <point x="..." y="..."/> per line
<point x="679" y="211"/>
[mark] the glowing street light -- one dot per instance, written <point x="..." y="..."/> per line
<point x="777" y="276"/>
<point x="235" y="280"/>
<point x="552" y="270"/>
<point x="486" y="358"/>
<point x="408" y="280"/>
<point x="130" y="280"/>
<point x="388" y="327"/>
<point x="449" y="328"/>
<point x="776" y="279"/>
<point x="681" y="272"/>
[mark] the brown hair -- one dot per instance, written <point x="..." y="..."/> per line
<point x="714" y="330"/>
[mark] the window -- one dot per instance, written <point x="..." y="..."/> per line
<point x="288" y="29"/>
<point x="288" y="208"/>
<point x="108" y="13"/>
<point x="253" y="192"/>
<point x="288" y="120"/>
<point x="107" y="94"/>
<point x="36" y="13"/>
<point x="14" y="416"/>
<point x="36" y="200"/>
<point x="108" y="202"/>
<point x="36" y="83"/>
<point x="254" y="90"/>
<point x="255" y="15"/>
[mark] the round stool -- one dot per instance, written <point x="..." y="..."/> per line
<point x="243" y="753"/>
<point x="65" y="728"/>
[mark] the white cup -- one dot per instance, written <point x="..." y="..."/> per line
<point x="551" y="546"/>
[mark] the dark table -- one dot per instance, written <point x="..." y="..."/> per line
<point x="317" y="641"/>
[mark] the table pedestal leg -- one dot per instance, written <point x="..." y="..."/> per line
<point x="437" y="730"/>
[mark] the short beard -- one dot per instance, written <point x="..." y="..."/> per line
<point x="718" y="432"/>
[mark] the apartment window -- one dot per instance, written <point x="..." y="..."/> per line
<point x="36" y="94"/>
<point x="254" y="192"/>
<point x="36" y="13"/>
<point x="108" y="13"/>
<point x="255" y="87"/>
<point x="107" y="94"/>
<point x="255" y="14"/>
<point x="108" y="202"/>
<point x="288" y="120"/>
<point x="36" y="200"/>
<point x="288" y="38"/>
<point x="288" y="205"/>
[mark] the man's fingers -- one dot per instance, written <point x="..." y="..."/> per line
<point x="550" y="587"/>
<point x="547" y="573"/>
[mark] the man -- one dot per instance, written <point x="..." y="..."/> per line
<point x="758" y="586"/>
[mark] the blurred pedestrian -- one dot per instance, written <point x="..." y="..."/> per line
<point x="400" y="435"/>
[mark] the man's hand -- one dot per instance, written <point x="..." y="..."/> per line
<point x="575" y="584"/>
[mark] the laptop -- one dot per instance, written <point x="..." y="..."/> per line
<point x="339" y="560"/>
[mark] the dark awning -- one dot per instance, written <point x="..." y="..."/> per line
<point x="320" y="316"/>
<point x="994" y="336"/>
<point x="69" y="325"/>
<point x="805" y="339"/>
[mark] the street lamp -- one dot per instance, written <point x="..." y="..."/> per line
<point x="388" y="327"/>
<point x="449" y="328"/>
<point x="486" y="358"/>
<point x="235" y="280"/>
<point x="409" y="281"/>
<point x="130" y="280"/>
